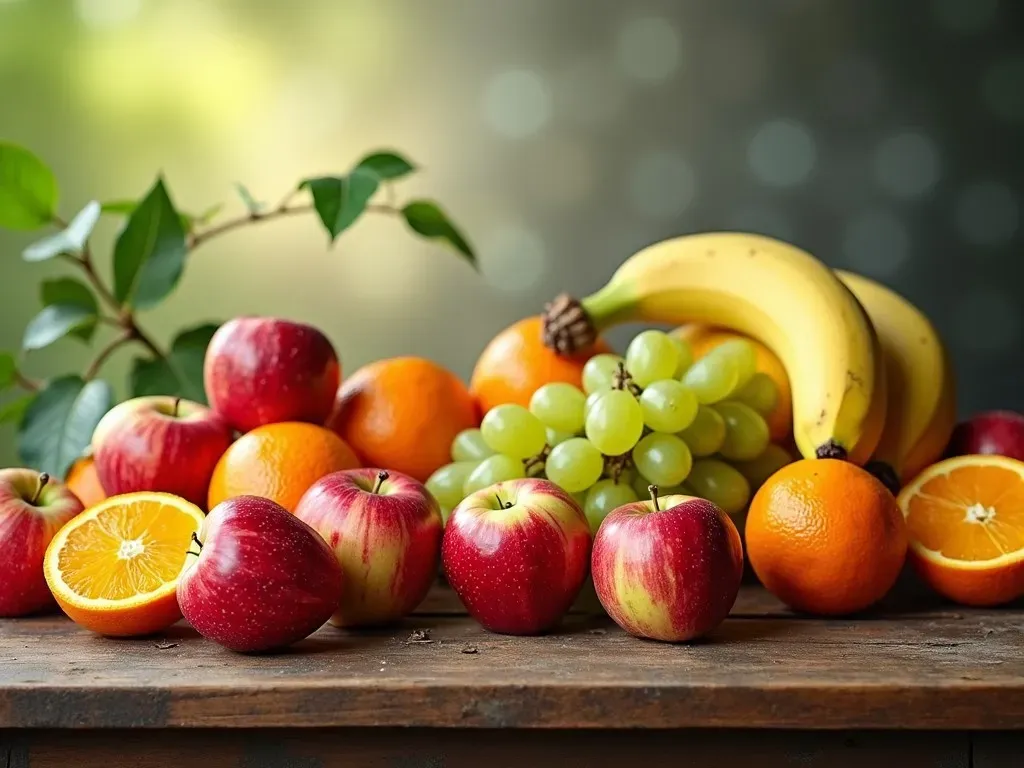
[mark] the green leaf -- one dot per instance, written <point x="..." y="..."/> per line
<point x="340" y="200"/>
<point x="181" y="372"/>
<point x="149" y="255"/>
<point x="28" y="189"/>
<point x="68" y="290"/>
<point x="53" y="323"/>
<point x="387" y="165"/>
<point x="119" y="207"/>
<point x="8" y="370"/>
<point x="70" y="240"/>
<point x="252" y="205"/>
<point x="425" y="218"/>
<point x="13" y="411"/>
<point x="58" y="425"/>
<point x="188" y="220"/>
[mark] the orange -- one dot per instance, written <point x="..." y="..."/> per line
<point x="114" y="569"/>
<point x="703" y="338"/>
<point x="965" y="517"/>
<point x="515" y="364"/>
<point x="84" y="482"/>
<point x="403" y="413"/>
<point x="826" y="537"/>
<point x="279" y="462"/>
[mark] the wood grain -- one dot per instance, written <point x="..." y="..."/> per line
<point x="764" y="668"/>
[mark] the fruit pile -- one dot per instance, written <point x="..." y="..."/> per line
<point x="654" y="417"/>
<point x="813" y="409"/>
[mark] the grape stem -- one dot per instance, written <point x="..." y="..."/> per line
<point x="653" y="490"/>
<point x="622" y="380"/>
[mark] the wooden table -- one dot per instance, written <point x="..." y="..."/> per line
<point x="937" y="686"/>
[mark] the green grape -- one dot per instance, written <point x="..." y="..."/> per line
<point x="447" y="482"/>
<point x="469" y="445"/>
<point x="774" y="458"/>
<point x="514" y="431"/>
<point x="574" y="465"/>
<point x="720" y="484"/>
<point x="706" y="434"/>
<point x="493" y="469"/>
<point x="663" y="459"/>
<point x="615" y="422"/>
<point x="555" y="437"/>
<point x="603" y="497"/>
<point x="591" y="399"/>
<point x="746" y="433"/>
<point x="760" y="393"/>
<point x="446" y="512"/>
<point x="668" y="406"/>
<point x="599" y="372"/>
<point x="651" y="356"/>
<point x="640" y="488"/>
<point x="738" y="354"/>
<point x="559" y="406"/>
<point x="580" y="498"/>
<point x="685" y="355"/>
<point x="709" y="380"/>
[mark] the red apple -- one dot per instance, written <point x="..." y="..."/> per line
<point x="32" y="509"/>
<point x="159" y="444"/>
<point x="1000" y="432"/>
<point x="517" y="554"/>
<point x="261" y="579"/>
<point x="264" y="370"/>
<point x="385" y="529"/>
<point x="667" y="569"/>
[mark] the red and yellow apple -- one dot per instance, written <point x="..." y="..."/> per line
<point x="32" y="509"/>
<point x="998" y="432"/>
<point x="265" y="370"/>
<point x="258" y="578"/>
<point x="385" y="529"/>
<point x="668" y="568"/>
<point x="517" y="554"/>
<point x="159" y="443"/>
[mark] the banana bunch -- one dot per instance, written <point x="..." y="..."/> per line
<point x="845" y="342"/>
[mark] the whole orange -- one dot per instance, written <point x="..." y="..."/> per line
<point x="402" y="414"/>
<point x="85" y="483"/>
<point x="826" y="537"/>
<point x="703" y="338"/>
<point x="516" y="363"/>
<point x="279" y="462"/>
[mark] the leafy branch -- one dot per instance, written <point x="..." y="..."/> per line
<point x="56" y="417"/>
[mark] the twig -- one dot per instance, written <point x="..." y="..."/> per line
<point x="26" y="383"/>
<point x="106" y="352"/>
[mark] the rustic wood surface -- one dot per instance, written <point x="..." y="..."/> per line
<point x="935" y="667"/>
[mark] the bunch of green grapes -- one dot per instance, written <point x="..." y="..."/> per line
<point x="653" y="417"/>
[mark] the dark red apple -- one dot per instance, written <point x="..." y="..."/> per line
<point x="32" y="509"/>
<point x="160" y="444"/>
<point x="669" y="568"/>
<point x="999" y="432"/>
<point x="259" y="579"/>
<point x="385" y="529"/>
<point x="517" y="554"/>
<point x="265" y="370"/>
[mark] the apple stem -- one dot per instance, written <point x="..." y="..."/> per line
<point x="381" y="477"/>
<point x="43" y="480"/>
<point x="653" y="490"/>
<point x="198" y="543"/>
<point x="503" y="504"/>
<point x="177" y="404"/>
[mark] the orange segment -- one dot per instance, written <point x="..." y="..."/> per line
<point x="114" y="569"/>
<point x="965" y="517"/>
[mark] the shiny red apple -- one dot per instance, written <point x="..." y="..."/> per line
<point x="159" y="444"/>
<point x="259" y="579"/>
<point x="265" y="370"/>
<point x="668" y="568"/>
<point x="517" y="554"/>
<point x="32" y="509"/>
<point x="999" y="432"/>
<point x="385" y="529"/>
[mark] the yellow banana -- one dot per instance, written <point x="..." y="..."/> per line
<point x="771" y="291"/>
<point x="922" y="391"/>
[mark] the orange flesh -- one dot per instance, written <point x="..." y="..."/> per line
<point x="126" y="551"/>
<point x="972" y="513"/>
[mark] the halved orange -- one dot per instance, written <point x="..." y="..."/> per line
<point x="965" y="518"/>
<point x="114" y="569"/>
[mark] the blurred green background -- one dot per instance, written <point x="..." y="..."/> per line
<point x="560" y="136"/>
